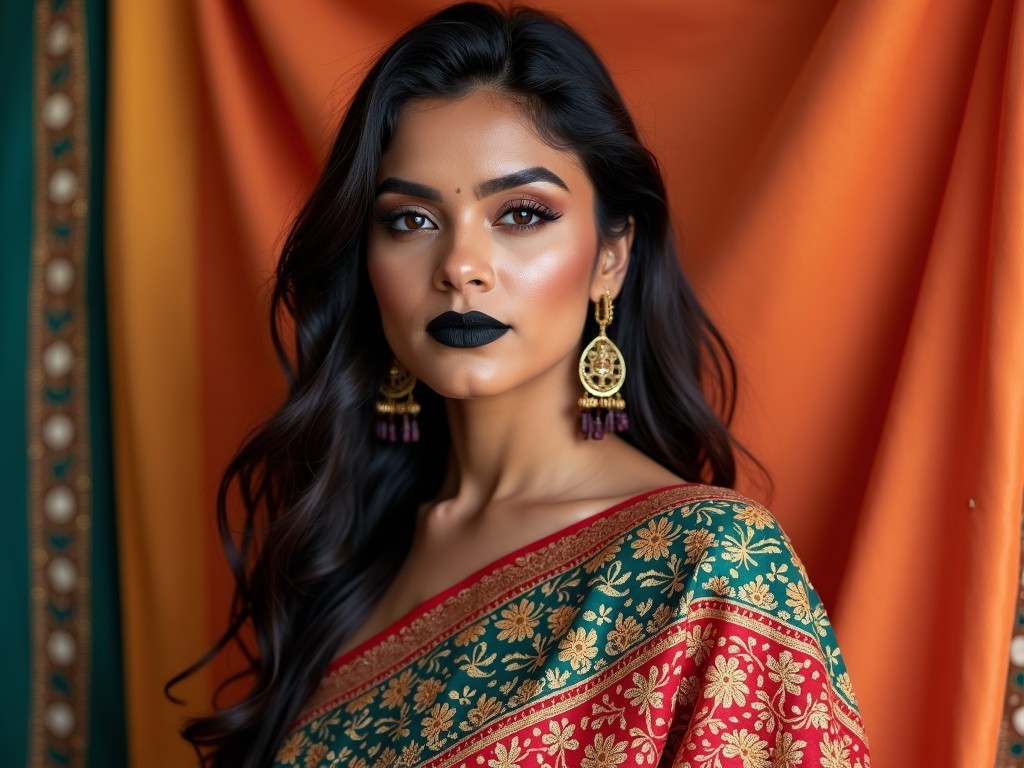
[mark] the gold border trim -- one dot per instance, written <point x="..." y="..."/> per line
<point x="452" y="614"/>
<point x="60" y="551"/>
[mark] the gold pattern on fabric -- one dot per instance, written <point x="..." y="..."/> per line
<point x="458" y="610"/>
<point x="680" y="627"/>
<point x="59" y="461"/>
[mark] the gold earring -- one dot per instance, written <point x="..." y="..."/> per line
<point x="602" y="373"/>
<point x="396" y="400"/>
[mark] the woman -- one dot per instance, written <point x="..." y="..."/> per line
<point x="472" y="537"/>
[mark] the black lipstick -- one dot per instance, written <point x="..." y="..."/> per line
<point x="473" y="329"/>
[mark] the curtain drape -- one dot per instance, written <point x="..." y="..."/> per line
<point x="847" y="180"/>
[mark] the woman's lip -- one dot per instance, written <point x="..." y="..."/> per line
<point x="468" y="320"/>
<point x="467" y="337"/>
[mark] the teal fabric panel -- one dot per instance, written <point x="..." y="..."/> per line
<point x="107" y="745"/>
<point x="17" y="32"/>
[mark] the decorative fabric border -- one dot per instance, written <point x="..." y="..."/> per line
<point x="1011" y="732"/>
<point x="59" y="461"/>
<point x="520" y="570"/>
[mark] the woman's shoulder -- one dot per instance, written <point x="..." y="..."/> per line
<point x="708" y="506"/>
<point x="718" y="544"/>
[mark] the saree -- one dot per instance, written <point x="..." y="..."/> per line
<point x="676" y="629"/>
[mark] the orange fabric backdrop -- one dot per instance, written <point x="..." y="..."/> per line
<point x="848" y="181"/>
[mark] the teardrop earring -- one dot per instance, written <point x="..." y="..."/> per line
<point x="602" y="374"/>
<point x="396" y="400"/>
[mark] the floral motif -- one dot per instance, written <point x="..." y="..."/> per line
<point x="578" y="647"/>
<point x="559" y="739"/>
<point x="506" y="757"/>
<point x="788" y="751"/>
<point x="725" y="682"/>
<point x="426" y="692"/>
<point x="696" y="543"/>
<point x="634" y="655"/>
<point x="561" y="619"/>
<point x="756" y="517"/>
<point x="644" y="695"/>
<point x="653" y="541"/>
<point x="759" y="593"/>
<point x="699" y="642"/>
<point x="786" y="671"/>
<point x="440" y="719"/>
<point x="398" y="689"/>
<point x="517" y="622"/>
<point x="627" y="631"/>
<point x="605" y="752"/>
<point x="292" y="748"/>
<point x="751" y="749"/>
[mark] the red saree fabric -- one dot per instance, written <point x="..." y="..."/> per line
<point x="676" y="629"/>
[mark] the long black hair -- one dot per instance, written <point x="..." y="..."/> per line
<point x="328" y="510"/>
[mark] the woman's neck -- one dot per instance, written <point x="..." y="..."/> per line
<point x="523" y="444"/>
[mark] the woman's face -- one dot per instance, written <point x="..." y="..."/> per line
<point x="476" y="214"/>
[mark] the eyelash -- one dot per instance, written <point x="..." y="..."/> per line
<point x="538" y="209"/>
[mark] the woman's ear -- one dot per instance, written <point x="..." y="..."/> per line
<point x="612" y="264"/>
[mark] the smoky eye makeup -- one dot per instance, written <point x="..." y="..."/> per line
<point x="405" y="219"/>
<point x="526" y="214"/>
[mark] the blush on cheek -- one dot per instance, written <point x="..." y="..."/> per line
<point x="555" y="276"/>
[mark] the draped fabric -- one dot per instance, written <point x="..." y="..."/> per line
<point x="847" y="180"/>
<point x="675" y="629"/>
<point x="61" y="702"/>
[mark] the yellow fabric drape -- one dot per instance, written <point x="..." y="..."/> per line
<point x="847" y="179"/>
<point x="151" y="247"/>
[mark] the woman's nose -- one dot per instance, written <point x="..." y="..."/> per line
<point x="466" y="263"/>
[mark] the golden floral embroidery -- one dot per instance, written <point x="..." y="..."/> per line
<point x="315" y="754"/>
<point x="426" y="692"/>
<point x="627" y="631"/>
<point x="518" y="621"/>
<point x="725" y="682"/>
<point x="506" y="757"/>
<point x="750" y="748"/>
<point x="471" y="634"/>
<point x="487" y="708"/>
<point x="835" y="753"/>
<point x="560" y="620"/>
<point x="759" y="593"/>
<point x="559" y="739"/>
<point x="440" y="719"/>
<point x="756" y="517"/>
<point x="699" y="642"/>
<point x="602" y="558"/>
<point x="578" y="647"/>
<point x="644" y="695"/>
<point x="605" y="752"/>
<point x="292" y="748"/>
<point x="786" y="671"/>
<point x="398" y="689"/>
<point x="788" y="751"/>
<point x="696" y="543"/>
<point x="672" y="627"/>
<point x="719" y="585"/>
<point x="652" y="542"/>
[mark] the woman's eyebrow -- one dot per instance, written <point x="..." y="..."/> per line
<point x="517" y="179"/>
<point x="412" y="188"/>
<point x="482" y="190"/>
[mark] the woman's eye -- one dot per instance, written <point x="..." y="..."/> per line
<point x="410" y="221"/>
<point x="521" y="217"/>
<point x="526" y="216"/>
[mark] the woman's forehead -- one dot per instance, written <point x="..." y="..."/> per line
<point x="482" y="130"/>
